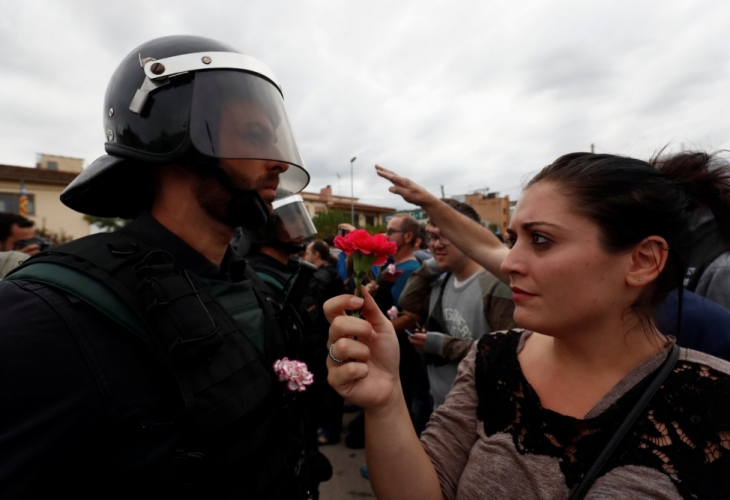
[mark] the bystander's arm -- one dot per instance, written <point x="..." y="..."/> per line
<point x="499" y="308"/>
<point x="406" y="321"/>
<point x="445" y="346"/>
<point x="455" y="349"/>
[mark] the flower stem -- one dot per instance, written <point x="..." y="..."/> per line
<point x="358" y="293"/>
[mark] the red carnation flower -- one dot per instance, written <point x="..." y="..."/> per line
<point x="366" y="251"/>
<point x="359" y="239"/>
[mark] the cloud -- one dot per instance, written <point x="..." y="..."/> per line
<point x="465" y="94"/>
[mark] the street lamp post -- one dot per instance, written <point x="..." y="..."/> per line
<point x="352" y="192"/>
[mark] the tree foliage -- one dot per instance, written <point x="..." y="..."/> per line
<point x="107" y="224"/>
<point x="327" y="222"/>
<point x="55" y="237"/>
<point x="378" y="228"/>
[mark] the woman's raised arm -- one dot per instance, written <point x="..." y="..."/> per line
<point x="476" y="241"/>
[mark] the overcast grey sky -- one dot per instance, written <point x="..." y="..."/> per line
<point x="468" y="94"/>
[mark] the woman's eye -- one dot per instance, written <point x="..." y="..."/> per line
<point x="538" y="239"/>
<point x="511" y="241"/>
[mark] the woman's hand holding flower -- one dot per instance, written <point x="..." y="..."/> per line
<point x="369" y="375"/>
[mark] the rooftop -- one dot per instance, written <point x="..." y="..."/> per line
<point x="343" y="202"/>
<point x="27" y="174"/>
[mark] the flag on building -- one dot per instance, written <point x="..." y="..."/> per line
<point x="23" y="200"/>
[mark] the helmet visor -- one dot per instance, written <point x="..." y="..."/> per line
<point x="292" y="220"/>
<point x="239" y="115"/>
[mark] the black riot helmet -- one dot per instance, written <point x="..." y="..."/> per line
<point x="190" y="101"/>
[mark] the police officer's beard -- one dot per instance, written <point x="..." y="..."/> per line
<point x="215" y="199"/>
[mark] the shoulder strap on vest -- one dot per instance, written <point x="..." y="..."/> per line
<point x="270" y="280"/>
<point x="87" y="289"/>
<point x="272" y="276"/>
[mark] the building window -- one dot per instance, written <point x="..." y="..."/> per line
<point x="10" y="202"/>
<point x="52" y="165"/>
<point x="369" y="220"/>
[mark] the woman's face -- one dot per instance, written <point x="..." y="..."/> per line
<point x="562" y="281"/>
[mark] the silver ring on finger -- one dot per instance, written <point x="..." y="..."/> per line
<point x="332" y="356"/>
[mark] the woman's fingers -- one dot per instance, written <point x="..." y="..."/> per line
<point x="388" y="174"/>
<point x="409" y="190"/>
<point x="349" y="326"/>
<point x="349" y="350"/>
<point x="343" y="378"/>
<point x="396" y="179"/>
<point x="365" y="351"/>
<point x="374" y="315"/>
<point x="337" y="306"/>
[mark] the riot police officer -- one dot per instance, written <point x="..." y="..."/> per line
<point x="138" y="364"/>
<point x="290" y="284"/>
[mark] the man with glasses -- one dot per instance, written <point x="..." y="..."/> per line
<point x="403" y="230"/>
<point x="465" y="303"/>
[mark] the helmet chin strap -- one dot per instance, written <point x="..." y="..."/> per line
<point x="289" y="247"/>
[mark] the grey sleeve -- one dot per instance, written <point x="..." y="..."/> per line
<point x="455" y="349"/>
<point x="434" y="343"/>
<point x="714" y="284"/>
<point x="432" y="267"/>
<point x="446" y="346"/>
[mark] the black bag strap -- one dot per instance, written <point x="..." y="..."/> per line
<point x="580" y="491"/>
<point x="434" y="322"/>
<point x="299" y="284"/>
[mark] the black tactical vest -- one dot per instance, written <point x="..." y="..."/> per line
<point x="238" y="435"/>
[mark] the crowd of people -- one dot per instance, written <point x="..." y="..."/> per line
<point x="208" y="348"/>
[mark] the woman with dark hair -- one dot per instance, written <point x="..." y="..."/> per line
<point x="560" y="407"/>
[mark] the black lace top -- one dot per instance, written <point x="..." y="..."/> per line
<point x="684" y="432"/>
